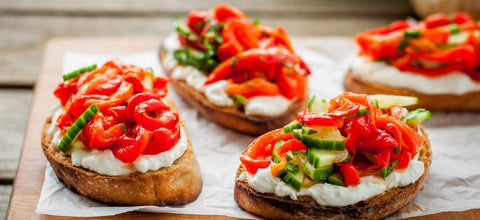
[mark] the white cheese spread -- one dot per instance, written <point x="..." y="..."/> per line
<point x="104" y="162"/>
<point x="215" y="92"/>
<point x="267" y="105"/>
<point x="333" y="195"/>
<point x="382" y="73"/>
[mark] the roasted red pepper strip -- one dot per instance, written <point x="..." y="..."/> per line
<point x="128" y="149"/>
<point x="350" y="175"/>
<point x="253" y="87"/>
<point x="162" y="139"/>
<point x="257" y="155"/>
<point x="153" y="114"/>
<point x="102" y="132"/>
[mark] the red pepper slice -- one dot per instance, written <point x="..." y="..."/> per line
<point x="223" y="13"/>
<point x="290" y="145"/>
<point x="253" y="60"/>
<point x="460" y="17"/>
<point x="119" y="113"/>
<point x="350" y="175"/>
<point x="258" y="154"/>
<point x="135" y="101"/>
<point x="309" y="118"/>
<point x="160" y="86"/>
<point x="119" y="97"/>
<point x="102" y="131"/>
<point x="128" y="148"/>
<point x="65" y="91"/>
<point x="241" y="31"/>
<point x="196" y="20"/>
<point x="107" y="88"/>
<point x="153" y="114"/>
<point x="253" y="87"/>
<point x="228" y="49"/>
<point x="436" y="20"/>
<point x="162" y="139"/>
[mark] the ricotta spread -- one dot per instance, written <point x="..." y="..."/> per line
<point x="104" y="162"/>
<point x="380" y="72"/>
<point x="215" y="92"/>
<point x="333" y="195"/>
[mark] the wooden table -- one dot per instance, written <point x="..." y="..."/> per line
<point x="27" y="25"/>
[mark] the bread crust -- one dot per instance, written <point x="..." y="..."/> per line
<point x="178" y="184"/>
<point x="268" y="205"/>
<point x="447" y="102"/>
<point x="231" y="117"/>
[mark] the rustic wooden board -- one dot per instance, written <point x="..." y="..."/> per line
<point x="154" y="7"/>
<point x="5" y="191"/>
<point x="29" y="180"/>
<point x="20" y="49"/>
<point x="14" y="109"/>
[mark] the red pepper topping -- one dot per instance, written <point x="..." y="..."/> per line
<point x="132" y="120"/>
<point x="376" y="139"/>
<point x="424" y="48"/>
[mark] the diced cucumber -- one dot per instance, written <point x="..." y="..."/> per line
<point x="412" y="33"/>
<point x="181" y="27"/>
<point x="317" y="105"/>
<point x="292" y="126"/>
<point x="320" y="158"/>
<point x="292" y="154"/>
<point x="385" y="101"/>
<point x="292" y="175"/>
<point x="326" y="138"/>
<point x="318" y="174"/>
<point x="78" y="72"/>
<point x="322" y="143"/>
<point x="417" y="116"/>
<point x="76" y="127"/>
<point x="336" y="179"/>
<point x="275" y="157"/>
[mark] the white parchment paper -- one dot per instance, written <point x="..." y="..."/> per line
<point x="453" y="183"/>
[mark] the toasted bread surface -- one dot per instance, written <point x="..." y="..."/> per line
<point x="447" y="102"/>
<point x="268" y="205"/>
<point x="231" y="117"/>
<point x="178" y="184"/>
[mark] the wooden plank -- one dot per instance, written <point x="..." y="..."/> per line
<point x="20" y="49"/>
<point x="5" y="191"/>
<point x="13" y="115"/>
<point x="294" y="8"/>
<point x="29" y="180"/>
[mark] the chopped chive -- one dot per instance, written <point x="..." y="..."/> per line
<point x="78" y="72"/>
<point x="77" y="127"/>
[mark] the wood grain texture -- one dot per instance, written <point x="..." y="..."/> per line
<point x="155" y="7"/>
<point x="14" y="109"/>
<point x="5" y="191"/>
<point x="20" y="49"/>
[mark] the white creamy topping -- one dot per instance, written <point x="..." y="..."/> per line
<point x="215" y="92"/>
<point x="267" y="105"/>
<point x="333" y="195"/>
<point x="104" y="162"/>
<point x="382" y="73"/>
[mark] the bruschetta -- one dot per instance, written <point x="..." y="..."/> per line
<point x="116" y="137"/>
<point x="354" y="157"/>
<point x="436" y="60"/>
<point x="234" y="71"/>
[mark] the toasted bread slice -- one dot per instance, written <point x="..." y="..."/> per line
<point x="231" y="117"/>
<point x="268" y="205"/>
<point x="178" y="184"/>
<point x="447" y="102"/>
